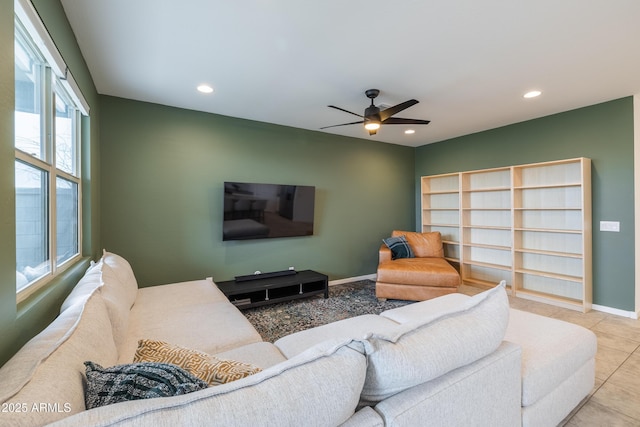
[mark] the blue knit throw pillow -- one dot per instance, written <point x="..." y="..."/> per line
<point x="399" y="247"/>
<point x="137" y="381"/>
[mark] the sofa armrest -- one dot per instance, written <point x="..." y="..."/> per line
<point x="384" y="253"/>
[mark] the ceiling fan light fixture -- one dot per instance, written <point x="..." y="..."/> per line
<point x="373" y="117"/>
<point x="372" y="125"/>
<point x="409" y="131"/>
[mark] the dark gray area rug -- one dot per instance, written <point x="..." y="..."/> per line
<point x="346" y="300"/>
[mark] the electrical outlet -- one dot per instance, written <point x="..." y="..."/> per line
<point x="610" y="226"/>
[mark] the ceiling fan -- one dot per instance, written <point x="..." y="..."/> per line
<point x="373" y="117"/>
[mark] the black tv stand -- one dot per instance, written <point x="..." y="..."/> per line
<point x="275" y="289"/>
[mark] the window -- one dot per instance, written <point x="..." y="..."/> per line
<point x="47" y="156"/>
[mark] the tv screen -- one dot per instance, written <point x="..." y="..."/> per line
<point x="260" y="211"/>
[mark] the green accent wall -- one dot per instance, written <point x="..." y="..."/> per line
<point x="163" y="171"/>
<point x="18" y="323"/>
<point x="603" y="133"/>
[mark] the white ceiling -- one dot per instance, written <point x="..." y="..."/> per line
<point x="468" y="62"/>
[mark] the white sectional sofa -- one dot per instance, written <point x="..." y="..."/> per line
<point x="450" y="361"/>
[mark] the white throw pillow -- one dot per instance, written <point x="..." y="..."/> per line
<point x="123" y="271"/>
<point x="419" y="352"/>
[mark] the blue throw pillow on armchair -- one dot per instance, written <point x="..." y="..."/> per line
<point x="399" y="247"/>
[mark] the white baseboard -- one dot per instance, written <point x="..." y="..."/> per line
<point x="352" y="279"/>
<point x="616" y="311"/>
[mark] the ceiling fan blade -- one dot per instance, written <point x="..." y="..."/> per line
<point x="385" y="114"/>
<point x="343" y="124"/>
<point x="401" y="121"/>
<point x="342" y="109"/>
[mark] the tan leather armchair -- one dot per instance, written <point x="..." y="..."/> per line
<point x="427" y="275"/>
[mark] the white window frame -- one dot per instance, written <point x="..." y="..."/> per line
<point x="56" y="71"/>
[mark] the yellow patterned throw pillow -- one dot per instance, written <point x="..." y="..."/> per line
<point x="209" y="368"/>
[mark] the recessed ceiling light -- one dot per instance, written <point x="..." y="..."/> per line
<point x="532" y="94"/>
<point x="409" y="131"/>
<point x="205" y="89"/>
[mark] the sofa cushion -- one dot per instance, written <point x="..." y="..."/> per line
<point x="485" y="393"/>
<point x="399" y="247"/>
<point x="193" y="314"/>
<point x="544" y="367"/>
<point x="106" y="386"/>
<point x="122" y="270"/>
<point x="423" y="350"/>
<point x="50" y="367"/>
<point x="419" y="272"/>
<point x="321" y="387"/>
<point x="213" y="370"/>
<point x="358" y="327"/>
<point x="424" y="245"/>
<point x="117" y="298"/>
<point x="114" y="288"/>
<point x="85" y="287"/>
<point x="262" y="354"/>
<point x="366" y="416"/>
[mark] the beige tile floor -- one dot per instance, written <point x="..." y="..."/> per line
<point x="615" y="398"/>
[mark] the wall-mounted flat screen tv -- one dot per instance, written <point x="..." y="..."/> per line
<point x="260" y="211"/>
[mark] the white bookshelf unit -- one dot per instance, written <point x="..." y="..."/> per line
<point x="529" y="225"/>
